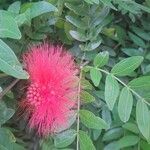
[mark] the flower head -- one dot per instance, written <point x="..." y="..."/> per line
<point x="51" y="94"/>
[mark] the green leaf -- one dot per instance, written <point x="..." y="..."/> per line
<point x="8" y="26"/>
<point x="126" y="6"/>
<point x="92" y="1"/>
<point x="95" y="76"/>
<point x="125" y="104"/>
<point x="6" y="138"/>
<point x="17" y="146"/>
<point x="92" y="121"/>
<point x="101" y="59"/>
<point x="5" y="113"/>
<point x="75" y="9"/>
<point x="65" y="138"/>
<point x="127" y="141"/>
<point x="76" y="22"/>
<point x="14" y="7"/>
<point x="143" y="119"/>
<point x="144" y="145"/>
<point x="9" y="62"/>
<point x="141" y="82"/>
<point x="96" y="134"/>
<point x="132" y="51"/>
<point x="108" y="3"/>
<point x="113" y="134"/>
<point x="85" y="141"/>
<point x="141" y="85"/>
<point x="144" y="8"/>
<point x="39" y="8"/>
<point x="100" y="20"/>
<point x="106" y="114"/>
<point x="112" y="146"/>
<point x="2" y="147"/>
<point x="111" y="91"/>
<point x="121" y="34"/>
<point x="141" y="33"/>
<point x="78" y="36"/>
<point x="131" y="127"/>
<point x="137" y="40"/>
<point x="47" y="143"/>
<point x="92" y="45"/>
<point x="86" y="84"/>
<point x="127" y="66"/>
<point x="20" y="19"/>
<point x="86" y="97"/>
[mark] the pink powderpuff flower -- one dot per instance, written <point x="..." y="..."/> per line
<point x="52" y="91"/>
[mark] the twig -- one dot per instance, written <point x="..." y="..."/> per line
<point x="8" y="88"/>
<point x="78" y="109"/>
<point x="134" y="92"/>
<point x="83" y="64"/>
<point x="78" y="100"/>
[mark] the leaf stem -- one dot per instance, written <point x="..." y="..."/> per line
<point x="135" y="93"/>
<point x="78" y="108"/>
<point x="8" y="88"/>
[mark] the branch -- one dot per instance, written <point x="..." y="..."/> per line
<point x="78" y="109"/>
<point x="8" y="88"/>
<point x="134" y="92"/>
<point x="78" y="100"/>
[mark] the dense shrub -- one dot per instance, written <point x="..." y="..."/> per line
<point x="110" y="41"/>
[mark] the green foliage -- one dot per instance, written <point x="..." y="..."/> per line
<point x="111" y="91"/>
<point x="125" y="104"/>
<point x="8" y="26"/>
<point x="9" y="62"/>
<point x="143" y="119"/>
<point x="101" y="59"/>
<point x="109" y="40"/>
<point x="85" y="141"/>
<point x="95" y="76"/>
<point x="5" y="113"/>
<point x="127" y="66"/>
<point x="86" y="97"/>
<point x="91" y="121"/>
<point x="65" y="138"/>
